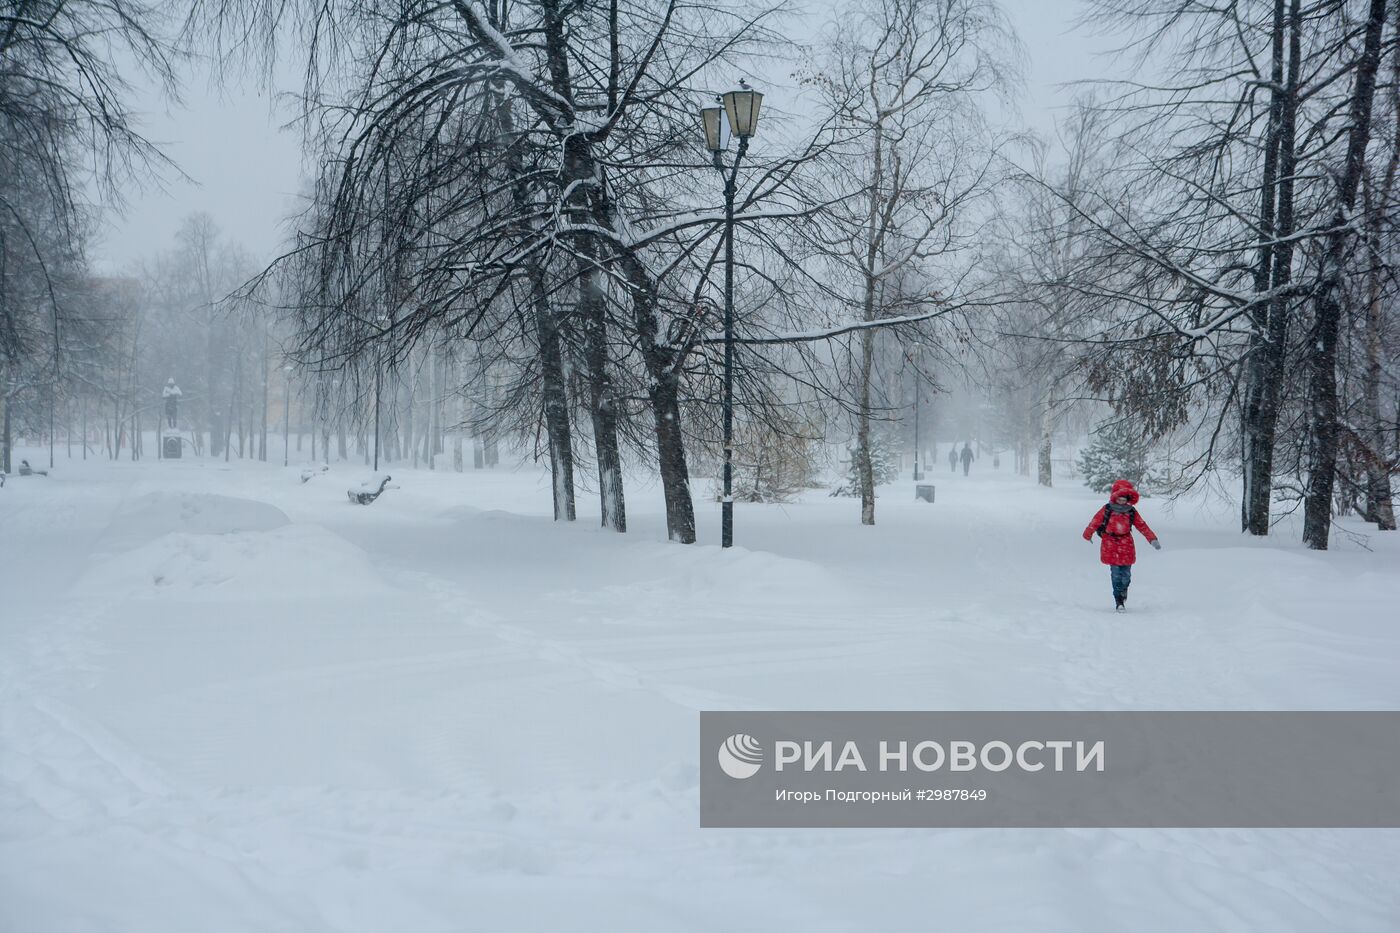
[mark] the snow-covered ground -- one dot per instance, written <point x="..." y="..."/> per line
<point x="230" y="701"/>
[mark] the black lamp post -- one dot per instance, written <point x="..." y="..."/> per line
<point x="740" y="108"/>
<point x="917" y="358"/>
<point x="917" y="475"/>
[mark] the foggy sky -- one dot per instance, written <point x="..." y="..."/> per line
<point x="246" y="170"/>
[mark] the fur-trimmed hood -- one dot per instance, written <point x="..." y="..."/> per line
<point x="1123" y="488"/>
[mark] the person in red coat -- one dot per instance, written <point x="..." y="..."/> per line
<point x="1114" y="523"/>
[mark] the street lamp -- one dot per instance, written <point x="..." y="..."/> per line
<point x="740" y="107"/>
<point x="916" y="358"/>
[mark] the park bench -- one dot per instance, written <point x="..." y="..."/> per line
<point x="368" y="492"/>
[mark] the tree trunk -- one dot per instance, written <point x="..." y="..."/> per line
<point x="6" y="437"/>
<point x="410" y="399"/>
<point x="1268" y="338"/>
<point x="213" y="417"/>
<point x="675" y="475"/>
<point x="430" y="447"/>
<point x="1317" y="509"/>
<point x="430" y="416"/>
<point x="556" y="400"/>
<point x="872" y="249"/>
<point x="663" y="389"/>
<point x="235" y="404"/>
<point x="457" y="431"/>
<point x="1380" y="506"/>
<point x="601" y="399"/>
<point x="865" y="469"/>
<point x="584" y="176"/>
<point x="262" y="434"/>
<point x="1047" y="425"/>
<point x="444" y="370"/>
<point x="389" y="420"/>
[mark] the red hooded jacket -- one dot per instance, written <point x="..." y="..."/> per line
<point x="1116" y="544"/>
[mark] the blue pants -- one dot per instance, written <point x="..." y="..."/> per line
<point x="1121" y="575"/>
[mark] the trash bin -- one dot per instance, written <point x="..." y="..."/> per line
<point x="171" y="450"/>
<point x="924" y="492"/>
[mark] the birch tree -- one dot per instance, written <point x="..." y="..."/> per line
<point x="904" y="79"/>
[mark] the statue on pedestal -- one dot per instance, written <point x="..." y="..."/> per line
<point x="171" y="394"/>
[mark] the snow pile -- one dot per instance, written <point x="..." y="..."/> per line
<point x="294" y="561"/>
<point x="201" y="546"/>
<point x="148" y="517"/>
<point x="735" y="578"/>
<point x="627" y="579"/>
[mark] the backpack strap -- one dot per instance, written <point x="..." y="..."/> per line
<point x="1108" y="513"/>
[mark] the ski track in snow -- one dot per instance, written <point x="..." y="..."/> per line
<point x="232" y="702"/>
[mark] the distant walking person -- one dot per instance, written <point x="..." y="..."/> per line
<point x="953" y="457"/>
<point x="1114" y="524"/>
<point x="171" y="394"/>
<point x="967" y="457"/>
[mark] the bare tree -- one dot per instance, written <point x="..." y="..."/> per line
<point x="903" y="78"/>
<point x="1326" y="294"/>
<point x="1242" y="158"/>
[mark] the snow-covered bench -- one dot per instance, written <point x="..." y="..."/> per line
<point x="369" y="490"/>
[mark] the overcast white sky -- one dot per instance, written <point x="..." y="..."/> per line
<point x="247" y="171"/>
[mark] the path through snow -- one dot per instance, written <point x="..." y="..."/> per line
<point x="233" y="702"/>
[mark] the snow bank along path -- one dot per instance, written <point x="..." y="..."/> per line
<point x="233" y="702"/>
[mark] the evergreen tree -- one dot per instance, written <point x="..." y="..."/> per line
<point x="1118" y="451"/>
<point x="884" y="465"/>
